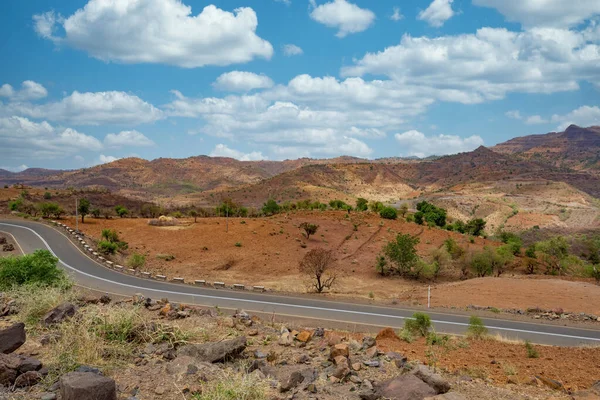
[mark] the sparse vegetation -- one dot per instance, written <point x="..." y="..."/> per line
<point x="121" y="211"/>
<point x="309" y="229"/>
<point x="362" y="204"/>
<point x="419" y="324"/>
<point x="136" y="261"/>
<point x="531" y="350"/>
<point x="319" y="266"/>
<point x="476" y="327"/>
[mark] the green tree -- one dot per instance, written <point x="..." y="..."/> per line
<point x="83" y="208"/>
<point x="403" y="209"/>
<point x="121" y="211"/>
<point x="95" y="212"/>
<point x="48" y="209"/>
<point x="389" y="213"/>
<point x="309" y="229"/>
<point x="553" y="253"/>
<point x="376" y="206"/>
<point x="402" y="254"/>
<point x="475" y="227"/>
<point x="362" y="204"/>
<point x="194" y="214"/>
<point x="430" y="213"/>
<point x="271" y="207"/>
<point x="514" y="241"/>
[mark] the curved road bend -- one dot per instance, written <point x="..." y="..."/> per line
<point x="88" y="273"/>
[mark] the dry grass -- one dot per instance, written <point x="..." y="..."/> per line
<point x="234" y="386"/>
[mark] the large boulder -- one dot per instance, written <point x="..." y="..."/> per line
<point x="404" y="387"/>
<point x="439" y="384"/>
<point x="9" y="369"/>
<point x="59" y="314"/>
<point x="27" y="364"/>
<point x="12" y="338"/>
<point x="87" y="385"/>
<point x="214" y="352"/>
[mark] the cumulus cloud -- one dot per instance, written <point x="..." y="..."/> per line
<point x="415" y="143"/>
<point x="242" y="81"/>
<point x="91" y="108"/>
<point x="438" y="12"/>
<point x="23" y="139"/>
<point x="222" y="150"/>
<point x="473" y="68"/>
<point x="18" y="168"/>
<point x="158" y="31"/>
<point x="286" y="2"/>
<point x="582" y="116"/>
<point x="397" y="15"/>
<point x="514" y="114"/>
<point x="30" y="90"/>
<point x="346" y="17"/>
<point x="292" y="50"/>
<point x="127" y="138"/>
<point x="535" y="120"/>
<point x="102" y="159"/>
<point x="549" y="13"/>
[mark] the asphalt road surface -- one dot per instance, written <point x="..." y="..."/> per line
<point x="88" y="273"/>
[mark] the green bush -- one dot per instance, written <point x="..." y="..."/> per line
<point x="431" y="214"/>
<point x="238" y="244"/>
<point x="362" y="204"/>
<point x="435" y="339"/>
<point x="47" y="196"/>
<point x="389" y="213"/>
<point x="531" y="351"/>
<point x="376" y="206"/>
<point x="453" y="248"/>
<point x="309" y="229"/>
<point x="37" y="268"/>
<point x="271" y="207"/>
<point x="106" y="247"/>
<point x="476" y="328"/>
<point x="121" y="211"/>
<point x="96" y="212"/>
<point x="419" y="324"/>
<point x="136" y="261"/>
<point x="400" y="255"/>
<point x="49" y="209"/>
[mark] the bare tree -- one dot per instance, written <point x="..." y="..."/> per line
<point x="319" y="265"/>
<point x="309" y="229"/>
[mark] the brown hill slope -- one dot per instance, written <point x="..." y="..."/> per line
<point x="576" y="148"/>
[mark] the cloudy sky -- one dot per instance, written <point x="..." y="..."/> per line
<point x="84" y="82"/>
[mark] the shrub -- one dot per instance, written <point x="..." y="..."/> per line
<point x="376" y="206"/>
<point x="430" y="213"/>
<point x="309" y="229"/>
<point x="48" y="209"/>
<point x="96" y="212"/>
<point x="319" y="265"/>
<point x="37" y="268"/>
<point x="177" y="214"/>
<point x="475" y="227"/>
<point x="136" y="261"/>
<point x="513" y="241"/>
<point x="419" y="324"/>
<point x="389" y="213"/>
<point x="106" y="247"/>
<point x="339" y="205"/>
<point x="476" y="328"/>
<point x="238" y="244"/>
<point x="453" y="248"/>
<point x="406" y="335"/>
<point x="362" y="204"/>
<point x="403" y="209"/>
<point x="47" y="196"/>
<point x="401" y="254"/>
<point x="531" y="351"/>
<point x="554" y="252"/>
<point x="435" y="339"/>
<point x="194" y="214"/>
<point x="121" y="211"/>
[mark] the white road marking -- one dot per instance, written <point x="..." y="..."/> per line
<point x="290" y="305"/>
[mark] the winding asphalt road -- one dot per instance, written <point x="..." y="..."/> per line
<point x="88" y="273"/>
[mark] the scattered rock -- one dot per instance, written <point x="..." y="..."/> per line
<point x="356" y="367"/>
<point x="368" y="341"/>
<point x="338" y="350"/>
<point x="48" y="396"/>
<point x="303" y="336"/>
<point x="341" y="372"/>
<point x="165" y="309"/>
<point x="372" y="363"/>
<point x="87" y="368"/>
<point x="8" y="247"/>
<point x="27" y="379"/>
<point x="312" y="388"/>
<point x="439" y="384"/>
<point x="12" y="338"/>
<point x="252" y="332"/>
<point x="215" y="352"/>
<point x="404" y="387"/>
<point x="27" y="364"/>
<point x="551" y="383"/>
<point x="87" y="385"/>
<point x="319" y="332"/>
<point x="59" y="314"/>
<point x="9" y="366"/>
<point x="372" y="352"/>
<point x="293" y="380"/>
<point x="447" y="396"/>
<point x="286" y="338"/>
<point x="228" y="322"/>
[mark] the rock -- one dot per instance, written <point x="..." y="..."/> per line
<point x="48" y="396"/>
<point x="312" y="388"/>
<point x="372" y="352"/>
<point x="367" y="384"/>
<point x="355" y="379"/>
<point x="371" y="363"/>
<point x="215" y="352"/>
<point x="105" y="299"/>
<point x="8" y="247"/>
<point x="252" y="332"/>
<point x="259" y="354"/>
<point x="228" y="322"/>
<point x="87" y="368"/>
<point x="59" y="314"/>
<point x="368" y="341"/>
<point x="387" y="333"/>
<point x="12" y="338"/>
<point x="165" y="309"/>
<point x="27" y="364"/>
<point x="49" y="338"/>
<point x="27" y="379"/>
<point x="9" y="369"/>
<point x="447" y="396"/>
<point x="87" y="385"/>
<point x="184" y="366"/>
<point x="439" y="384"/>
<point x="404" y="387"/>
<point x="303" y="336"/>
<point x="596" y="387"/>
<point x="551" y="383"/>
<point x="291" y="382"/>
<point x="303" y="359"/>
<point x="2" y="240"/>
<point x="286" y="338"/>
<point x="341" y="372"/>
<point x="338" y="350"/>
<point x="319" y="332"/>
<point x="356" y="367"/>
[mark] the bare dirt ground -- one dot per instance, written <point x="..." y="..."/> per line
<point x="272" y="247"/>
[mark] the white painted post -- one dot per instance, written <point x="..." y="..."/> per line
<point x="429" y="297"/>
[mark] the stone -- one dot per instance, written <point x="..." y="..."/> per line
<point x="87" y="385"/>
<point x="215" y="352"/>
<point x="48" y="396"/>
<point x="367" y="384"/>
<point x="312" y="388"/>
<point x="259" y="354"/>
<point x="252" y="332"/>
<point x="12" y="338"/>
<point x="49" y="338"/>
<point x="8" y="247"/>
<point x="87" y="368"/>
<point x="551" y="383"/>
<point x="303" y="336"/>
<point x="293" y="380"/>
<point x="27" y="379"/>
<point x="319" y="332"/>
<point x="439" y="384"/>
<point x="9" y="369"/>
<point x="596" y="387"/>
<point x="341" y="360"/>
<point x="371" y="352"/>
<point x="303" y="359"/>
<point x="59" y="314"/>
<point x="165" y="309"/>
<point x="341" y="371"/>
<point x="371" y="363"/>
<point x="355" y="379"/>
<point x="338" y="350"/>
<point x="447" y="396"/>
<point x="356" y="366"/>
<point x="228" y="322"/>
<point x="404" y="387"/>
<point x="368" y="341"/>
<point x="286" y="338"/>
<point x="27" y="364"/>
<point x="105" y="299"/>
<point x="184" y="366"/>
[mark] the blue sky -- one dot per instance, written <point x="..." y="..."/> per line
<point x="85" y="82"/>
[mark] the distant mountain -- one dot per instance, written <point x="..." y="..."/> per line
<point x="576" y="148"/>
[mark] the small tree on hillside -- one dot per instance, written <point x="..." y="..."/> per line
<point x="553" y="253"/>
<point x="309" y="229"/>
<point x="271" y="207"/>
<point x="403" y="209"/>
<point x="96" y="212"/>
<point x="194" y="214"/>
<point x="388" y="213"/>
<point x="319" y="265"/>
<point x="402" y="254"/>
<point x="83" y="208"/>
<point x="362" y="204"/>
<point x="121" y="211"/>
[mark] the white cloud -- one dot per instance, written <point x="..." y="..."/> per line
<point x="340" y="14"/>
<point x="30" y="90"/>
<point x="102" y="159"/>
<point x="222" y="150"/>
<point x="286" y="2"/>
<point x="127" y="138"/>
<point x="514" y="114"/>
<point x="415" y="143"/>
<point x="292" y="50"/>
<point x="397" y="15"/>
<point x="553" y="13"/>
<point x="23" y="139"/>
<point x="91" y="108"/>
<point x="242" y="81"/>
<point x="535" y="120"/>
<point x="18" y="168"/>
<point x="438" y="12"/>
<point x="158" y="31"/>
<point x="583" y="116"/>
<point x="473" y="68"/>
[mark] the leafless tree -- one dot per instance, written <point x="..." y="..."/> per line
<point x="319" y="265"/>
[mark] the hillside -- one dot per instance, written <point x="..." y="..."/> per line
<point x="576" y="148"/>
